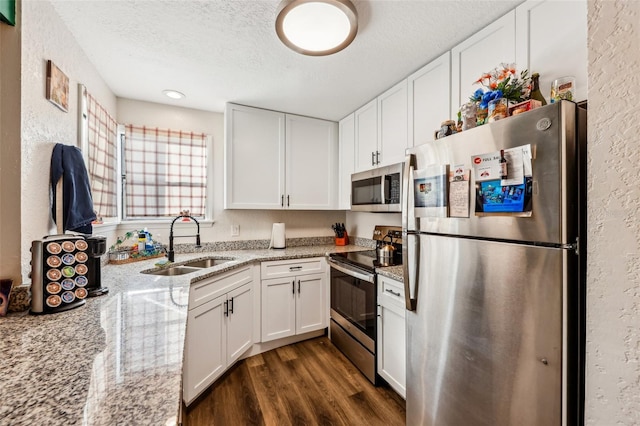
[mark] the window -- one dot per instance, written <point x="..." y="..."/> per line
<point x="165" y="172"/>
<point x="101" y="138"/>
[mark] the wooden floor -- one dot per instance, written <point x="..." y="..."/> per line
<point x="308" y="383"/>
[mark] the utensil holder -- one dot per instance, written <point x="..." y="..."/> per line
<point x="342" y="241"/>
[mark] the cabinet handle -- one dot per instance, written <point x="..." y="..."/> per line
<point x="282" y="200"/>
<point x="293" y="287"/>
<point x="298" y="286"/>
<point x="295" y="268"/>
<point x="373" y="158"/>
<point x="226" y="308"/>
<point x="287" y="201"/>
<point x="392" y="292"/>
<point x="377" y="157"/>
<point x="231" y="307"/>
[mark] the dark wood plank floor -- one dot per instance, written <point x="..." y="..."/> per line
<point x="308" y="383"/>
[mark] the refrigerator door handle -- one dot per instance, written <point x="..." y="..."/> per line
<point x="409" y="233"/>
<point x="410" y="274"/>
<point x="407" y="172"/>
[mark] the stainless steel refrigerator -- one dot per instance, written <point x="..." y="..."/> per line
<point x="495" y="296"/>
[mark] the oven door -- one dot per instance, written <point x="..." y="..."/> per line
<point x="353" y="302"/>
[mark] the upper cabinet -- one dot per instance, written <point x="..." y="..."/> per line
<point x="551" y="40"/>
<point x="254" y="158"/>
<point x="429" y="92"/>
<point x="393" y="121"/>
<point x="482" y="52"/>
<point x="381" y="129"/>
<point x="311" y="164"/>
<point x="279" y="161"/>
<point x="346" y="160"/>
<point x="366" y="143"/>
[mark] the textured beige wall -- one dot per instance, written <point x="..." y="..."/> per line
<point x="254" y="224"/>
<point x="44" y="37"/>
<point x="613" y="294"/>
<point x="10" y="218"/>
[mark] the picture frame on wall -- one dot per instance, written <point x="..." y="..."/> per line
<point x="57" y="87"/>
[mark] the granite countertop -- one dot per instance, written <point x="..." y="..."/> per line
<point x="118" y="358"/>
<point x="393" y="272"/>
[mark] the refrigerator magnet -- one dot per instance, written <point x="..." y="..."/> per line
<point x="459" y="191"/>
<point x="430" y="191"/>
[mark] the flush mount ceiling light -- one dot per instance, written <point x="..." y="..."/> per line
<point x="173" y="94"/>
<point x="317" y="27"/>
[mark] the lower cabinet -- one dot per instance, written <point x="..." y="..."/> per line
<point x="296" y="302"/>
<point x="219" y="331"/>
<point x="392" y="334"/>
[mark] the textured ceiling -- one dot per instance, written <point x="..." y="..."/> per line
<point x="218" y="51"/>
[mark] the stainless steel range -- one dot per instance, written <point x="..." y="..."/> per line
<point x="354" y="300"/>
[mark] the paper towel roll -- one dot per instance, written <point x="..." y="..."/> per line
<point x="277" y="236"/>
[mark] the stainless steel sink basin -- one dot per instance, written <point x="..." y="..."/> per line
<point x="173" y="270"/>
<point x="206" y="263"/>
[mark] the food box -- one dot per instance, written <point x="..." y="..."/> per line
<point x="524" y="107"/>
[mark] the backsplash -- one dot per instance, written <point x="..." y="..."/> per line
<point x="264" y="244"/>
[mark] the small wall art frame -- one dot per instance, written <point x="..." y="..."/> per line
<point x="57" y="87"/>
<point x="8" y="11"/>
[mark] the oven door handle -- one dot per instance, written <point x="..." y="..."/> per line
<point x="352" y="272"/>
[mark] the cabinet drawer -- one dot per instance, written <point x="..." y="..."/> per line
<point x="213" y="287"/>
<point x="290" y="268"/>
<point x="390" y="292"/>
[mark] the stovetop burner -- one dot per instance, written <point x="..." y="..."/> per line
<point x="366" y="260"/>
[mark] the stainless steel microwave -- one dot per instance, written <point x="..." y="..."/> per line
<point x="377" y="190"/>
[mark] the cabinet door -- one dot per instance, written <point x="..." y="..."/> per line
<point x="239" y="322"/>
<point x="392" y="347"/>
<point x="312" y="163"/>
<point x="366" y="146"/>
<point x="429" y="99"/>
<point x="551" y="39"/>
<point x="480" y="53"/>
<point x="278" y="308"/>
<point x="254" y="158"/>
<point x="205" y="347"/>
<point x="346" y="160"/>
<point x="393" y="124"/>
<point x="310" y="305"/>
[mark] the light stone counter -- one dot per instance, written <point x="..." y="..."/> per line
<point x="393" y="272"/>
<point x="118" y="358"/>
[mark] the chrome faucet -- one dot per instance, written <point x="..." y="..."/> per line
<point x="183" y="214"/>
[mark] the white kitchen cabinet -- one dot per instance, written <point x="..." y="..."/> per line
<point x="391" y="334"/>
<point x="346" y="160"/>
<point x="275" y="160"/>
<point x="311" y="163"/>
<point x="480" y="53"/>
<point x="366" y="145"/>
<point x="205" y="347"/>
<point x="393" y="124"/>
<point x="429" y="91"/>
<point x="551" y="39"/>
<point x="254" y="158"/>
<point x="239" y="322"/>
<point x="381" y="129"/>
<point x="294" y="302"/>
<point x="219" y="328"/>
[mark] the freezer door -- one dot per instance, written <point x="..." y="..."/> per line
<point x="551" y="132"/>
<point x="485" y="343"/>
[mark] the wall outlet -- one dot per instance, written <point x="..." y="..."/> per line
<point x="235" y="230"/>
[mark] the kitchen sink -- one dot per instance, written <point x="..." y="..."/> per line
<point x="188" y="267"/>
<point x="206" y="263"/>
<point x="173" y="270"/>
